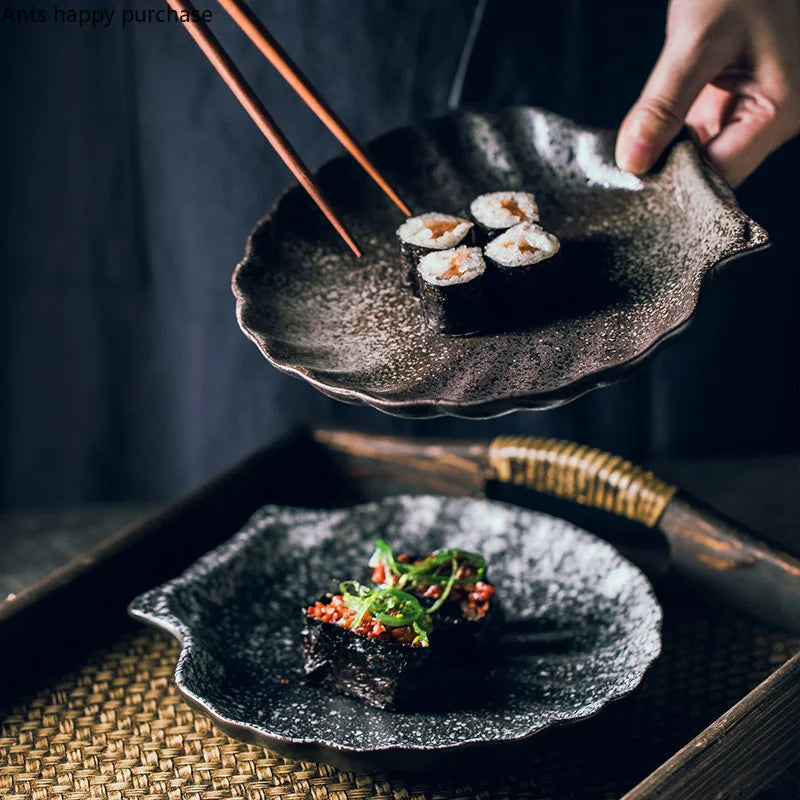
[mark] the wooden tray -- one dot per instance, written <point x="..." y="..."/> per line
<point x="94" y="712"/>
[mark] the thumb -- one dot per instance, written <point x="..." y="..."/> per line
<point x="657" y="116"/>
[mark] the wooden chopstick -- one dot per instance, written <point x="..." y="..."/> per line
<point x="222" y="62"/>
<point x="244" y="17"/>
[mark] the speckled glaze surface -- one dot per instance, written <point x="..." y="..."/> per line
<point x="636" y="253"/>
<point x="582" y="627"/>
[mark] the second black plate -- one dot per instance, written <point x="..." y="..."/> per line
<point x="582" y="627"/>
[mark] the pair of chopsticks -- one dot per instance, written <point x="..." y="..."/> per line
<point x="261" y="37"/>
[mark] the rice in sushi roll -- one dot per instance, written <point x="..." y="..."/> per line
<point x="429" y="233"/>
<point x="452" y="290"/>
<point x="496" y="212"/>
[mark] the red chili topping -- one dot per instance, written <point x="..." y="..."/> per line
<point x="379" y="574"/>
<point x="337" y="613"/>
<point x="475" y="597"/>
<point x="478" y="598"/>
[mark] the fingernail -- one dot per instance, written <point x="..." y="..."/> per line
<point x="636" y="156"/>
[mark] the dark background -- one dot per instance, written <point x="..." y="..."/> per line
<point x="131" y="178"/>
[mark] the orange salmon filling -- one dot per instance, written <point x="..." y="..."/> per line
<point x="523" y="247"/>
<point x="439" y="228"/>
<point x="511" y="205"/>
<point x="337" y="613"/>
<point x="454" y="270"/>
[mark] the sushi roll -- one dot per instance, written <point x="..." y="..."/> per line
<point x="371" y="643"/>
<point x="452" y="290"/>
<point x="522" y="260"/>
<point x="453" y="587"/>
<point x="496" y="212"/>
<point x="429" y="233"/>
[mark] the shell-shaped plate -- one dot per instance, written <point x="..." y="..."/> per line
<point x="582" y="627"/>
<point x="636" y="254"/>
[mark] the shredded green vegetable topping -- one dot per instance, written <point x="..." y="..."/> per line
<point x="396" y="608"/>
<point x="436" y="569"/>
<point x="393" y="607"/>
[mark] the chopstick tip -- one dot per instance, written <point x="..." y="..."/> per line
<point x="352" y="244"/>
<point x="394" y="197"/>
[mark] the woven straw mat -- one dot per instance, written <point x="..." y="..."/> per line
<point x="118" y="729"/>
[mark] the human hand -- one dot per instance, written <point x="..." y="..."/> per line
<point x="731" y="70"/>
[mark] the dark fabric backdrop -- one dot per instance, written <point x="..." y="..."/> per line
<point x="131" y="178"/>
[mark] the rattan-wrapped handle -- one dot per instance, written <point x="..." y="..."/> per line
<point x="581" y="474"/>
<point x="706" y="548"/>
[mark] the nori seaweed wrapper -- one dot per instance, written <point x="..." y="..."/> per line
<point x="526" y="292"/>
<point x="453" y="291"/>
<point x="459" y="309"/>
<point x="410" y="254"/>
<point x="388" y="675"/>
<point x="458" y="633"/>
<point x="397" y="677"/>
<point x="538" y="276"/>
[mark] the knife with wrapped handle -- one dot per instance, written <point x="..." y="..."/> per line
<point x="706" y="548"/>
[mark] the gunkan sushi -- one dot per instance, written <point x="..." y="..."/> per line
<point x="420" y="631"/>
<point x="428" y="233"/>
<point x="496" y="212"/>
<point x="453" y="587"/>
<point x="452" y="290"/>
<point x="371" y="643"/>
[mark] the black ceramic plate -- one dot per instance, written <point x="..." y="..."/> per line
<point x="637" y="253"/>
<point x="582" y="628"/>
